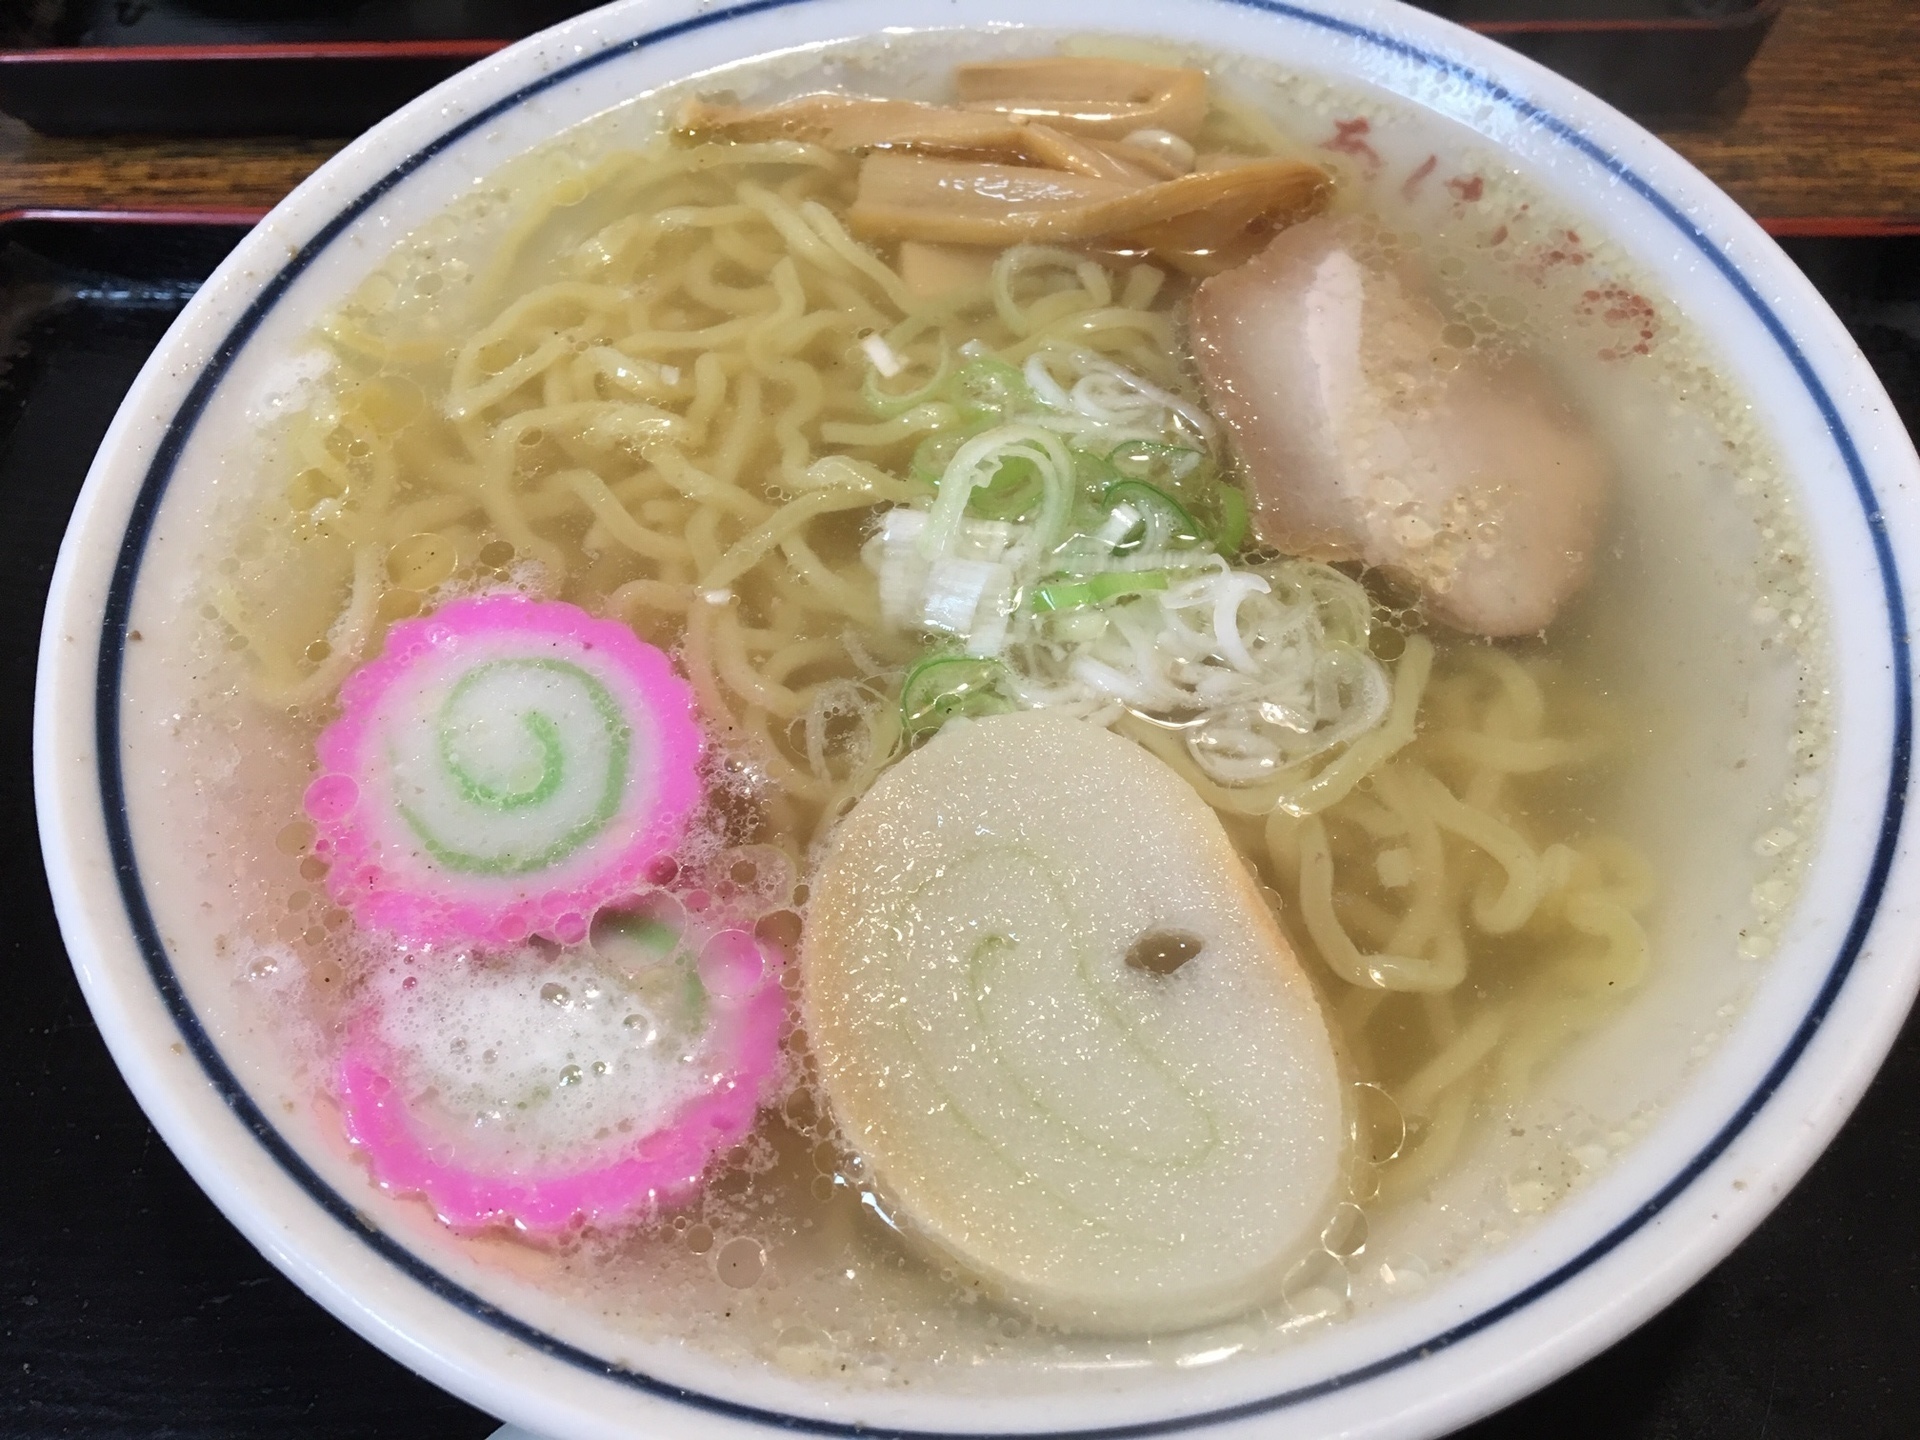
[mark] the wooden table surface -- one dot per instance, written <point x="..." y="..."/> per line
<point x="1828" y="140"/>
<point x="1831" y="128"/>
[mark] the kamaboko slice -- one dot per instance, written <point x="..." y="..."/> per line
<point x="503" y="769"/>
<point x="1059" y="1023"/>
<point x="541" y="1093"/>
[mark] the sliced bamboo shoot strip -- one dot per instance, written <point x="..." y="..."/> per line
<point x="1059" y="1023"/>
<point x="845" y="122"/>
<point x="1109" y="159"/>
<point x="1108" y="99"/>
<point x="912" y="197"/>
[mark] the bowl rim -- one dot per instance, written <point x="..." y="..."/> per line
<point x="159" y="470"/>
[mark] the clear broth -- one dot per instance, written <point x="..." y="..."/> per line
<point x="789" y="1256"/>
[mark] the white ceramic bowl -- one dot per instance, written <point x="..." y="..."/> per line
<point x="1745" y="1125"/>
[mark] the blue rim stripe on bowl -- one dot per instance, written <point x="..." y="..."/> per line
<point x="120" y="840"/>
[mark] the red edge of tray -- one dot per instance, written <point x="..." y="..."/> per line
<point x="320" y="50"/>
<point x="1854" y="227"/>
<point x="1761" y="14"/>
<point x="217" y="215"/>
<point x="1780" y="226"/>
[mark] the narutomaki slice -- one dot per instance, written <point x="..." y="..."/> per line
<point x="539" y="1093"/>
<point x="503" y="769"/>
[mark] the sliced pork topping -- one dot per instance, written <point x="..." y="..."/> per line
<point x="1364" y="436"/>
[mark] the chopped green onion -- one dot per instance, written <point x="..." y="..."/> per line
<point x="987" y="389"/>
<point x="979" y="461"/>
<point x="1230" y="517"/>
<point x="1093" y="473"/>
<point x="1164" y="520"/>
<point x="935" y="453"/>
<point x="943" y="686"/>
<point x="1016" y="487"/>
<point x="1168" y="466"/>
<point x="1096" y="589"/>
<point x="888" y="404"/>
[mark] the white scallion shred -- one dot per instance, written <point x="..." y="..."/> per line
<point x="900" y="567"/>
<point x="954" y="590"/>
<point x="882" y="355"/>
<point x="978" y="461"/>
<point x="1110" y="395"/>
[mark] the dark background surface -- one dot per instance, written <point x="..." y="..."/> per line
<point x="130" y="1308"/>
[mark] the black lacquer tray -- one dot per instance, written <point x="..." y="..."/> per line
<point x="243" y="67"/>
<point x="333" y="67"/>
<point x="130" y="1308"/>
<point x="1652" y="58"/>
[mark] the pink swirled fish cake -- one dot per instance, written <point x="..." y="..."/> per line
<point x="540" y="1093"/>
<point x="502" y="770"/>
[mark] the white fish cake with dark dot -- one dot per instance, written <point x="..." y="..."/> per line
<point x="1059" y="1022"/>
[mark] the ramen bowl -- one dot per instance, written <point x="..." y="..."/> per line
<point x="1699" y="1106"/>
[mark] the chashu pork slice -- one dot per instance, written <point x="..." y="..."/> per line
<point x="1362" y="436"/>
